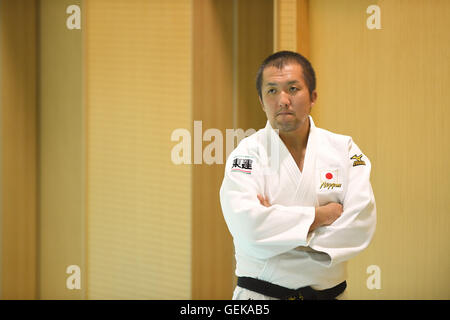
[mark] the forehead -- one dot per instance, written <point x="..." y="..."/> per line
<point x="289" y="72"/>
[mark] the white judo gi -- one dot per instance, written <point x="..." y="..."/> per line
<point x="273" y="243"/>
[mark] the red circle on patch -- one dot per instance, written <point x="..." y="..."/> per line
<point x="328" y="175"/>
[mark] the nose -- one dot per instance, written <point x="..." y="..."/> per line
<point x="284" y="100"/>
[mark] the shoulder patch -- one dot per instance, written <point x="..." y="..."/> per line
<point x="358" y="160"/>
<point x="242" y="164"/>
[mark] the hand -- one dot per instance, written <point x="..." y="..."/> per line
<point x="326" y="215"/>
<point x="263" y="200"/>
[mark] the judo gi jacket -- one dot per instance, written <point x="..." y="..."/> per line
<point x="273" y="243"/>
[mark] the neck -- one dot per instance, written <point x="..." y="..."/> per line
<point x="298" y="139"/>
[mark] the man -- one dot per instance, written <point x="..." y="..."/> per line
<point x="296" y="198"/>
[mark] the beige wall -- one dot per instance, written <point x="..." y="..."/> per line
<point x="109" y="97"/>
<point x="138" y="81"/>
<point x="388" y="89"/>
<point x="111" y="201"/>
<point x="61" y="182"/>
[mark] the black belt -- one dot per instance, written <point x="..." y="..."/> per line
<point x="279" y="292"/>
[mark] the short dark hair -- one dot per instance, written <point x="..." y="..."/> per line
<point x="279" y="60"/>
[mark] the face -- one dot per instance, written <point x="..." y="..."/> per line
<point x="285" y="97"/>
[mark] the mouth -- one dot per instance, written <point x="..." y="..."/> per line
<point x="284" y="113"/>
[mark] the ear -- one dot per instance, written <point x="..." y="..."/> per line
<point x="262" y="104"/>
<point x="313" y="97"/>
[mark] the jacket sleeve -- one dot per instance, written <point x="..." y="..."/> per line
<point x="259" y="231"/>
<point x="353" y="230"/>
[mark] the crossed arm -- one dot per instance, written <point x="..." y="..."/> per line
<point x="263" y="230"/>
<point x="324" y="215"/>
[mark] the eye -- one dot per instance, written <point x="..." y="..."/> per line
<point x="271" y="91"/>
<point x="293" y="89"/>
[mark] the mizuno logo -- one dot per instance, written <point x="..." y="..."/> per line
<point x="358" y="161"/>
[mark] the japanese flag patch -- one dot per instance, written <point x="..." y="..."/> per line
<point x="329" y="179"/>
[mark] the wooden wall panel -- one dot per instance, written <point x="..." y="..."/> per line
<point x="61" y="152"/>
<point x="388" y="88"/>
<point x="285" y="25"/>
<point x="212" y="248"/>
<point x="19" y="150"/>
<point x="303" y="40"/>
<point x="231" y="38"/>
<point x="291" y="26"/>
<point x="254" y="44"/>
<point x="139" y="90"/>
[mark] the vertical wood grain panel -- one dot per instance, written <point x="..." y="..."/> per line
<point x="61" y="151"/>
<point x="212" y="248"/>
<point x="303" y="27"/>
<point x="18" y="107"/>
<point x="229" y="36"/>
<point x="255" y="43"/>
